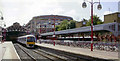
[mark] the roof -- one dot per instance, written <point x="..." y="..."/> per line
<point x="52" y="16"/>
<point x="82" y="29"/>
<point x="112" y="13"/>
<point x="26" y="36"/>
<point x="16" y="27"/>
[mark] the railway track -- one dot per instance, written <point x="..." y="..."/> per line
<point x="37" y="55"/>
<point x="24" y="56"/>
<point x="50" y="56"/>
<point x="68" y="56"/>
<point x="47" y="54"/>
<point x="71" y="56"/>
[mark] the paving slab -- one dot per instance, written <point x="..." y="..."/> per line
<point x="2" y="51"/>
<point x="8" y="51"/>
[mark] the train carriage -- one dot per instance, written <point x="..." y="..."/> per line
<point x="28" y="40"/>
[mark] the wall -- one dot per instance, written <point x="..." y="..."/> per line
<point x="110" y="18"/>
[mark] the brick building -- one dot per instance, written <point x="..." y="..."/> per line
<point x="81" y="23"/>
<point x="113" y="17"/>
<point x="45" y="23"/>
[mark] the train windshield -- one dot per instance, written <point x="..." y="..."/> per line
<point x="30" y="39"/>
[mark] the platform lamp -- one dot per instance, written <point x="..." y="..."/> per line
<point x="99" y="7"/>
<point x="49" y="25"/>
<point x="54" y="32"/>
<point x="4" y="33"/>
<point x="1" y="16"/>
<point x="1" y="26"/>
<point x="40" y="32"/>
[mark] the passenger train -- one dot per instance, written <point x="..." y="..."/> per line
<point x="28" y="40"/>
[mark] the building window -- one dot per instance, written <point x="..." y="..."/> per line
<point x="118" y="15"/>
<point x="32" y="22"/>
<point x="114" y="20"/>
<point x="119" y="27"/>
<point x="84" y="23"/>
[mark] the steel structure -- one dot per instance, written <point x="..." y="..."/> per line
<point x="1" y="18"/>
<point x="99" y="7"/>
<point x="111" y="27"/>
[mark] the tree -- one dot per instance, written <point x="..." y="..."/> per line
<point x="96" y="21"/>
<point x="65" y="24"/>
<point x="72" y="24"/>
<point x="62" y="25"/>
<point x="57" y="27"/>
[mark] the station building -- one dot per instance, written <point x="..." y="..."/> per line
<point x="108" y="31"/>
<point x="113" y="17"/>
<point x="45" y="23"/>
<point x="81" y="23"/>
<point x="14" y="31"/>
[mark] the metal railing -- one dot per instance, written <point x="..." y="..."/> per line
<point x="105" y="46"/>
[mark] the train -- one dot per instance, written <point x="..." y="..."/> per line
<point x="27" y="40"/>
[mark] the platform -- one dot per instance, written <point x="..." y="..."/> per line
<point x="8" y="52"/>
<point x="83" y="51"/>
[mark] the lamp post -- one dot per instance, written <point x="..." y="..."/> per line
<point x="49" y="25"/>
<point x="40" y="33"/>
<point x="4" y="33"/>
<point x="1" y="24"/>
<point x="98" y="7"/>
<point x="54" y="32"/>
<point x="69" y="25"/>
<point x="1" y="15"/>
<point x="40" y="29"/>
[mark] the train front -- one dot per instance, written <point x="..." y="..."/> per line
<point x="31" y="42"/>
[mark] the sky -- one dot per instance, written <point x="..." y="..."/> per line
<point x="22" y="11"/>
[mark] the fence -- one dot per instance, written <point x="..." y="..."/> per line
<point x="106" y="46"/>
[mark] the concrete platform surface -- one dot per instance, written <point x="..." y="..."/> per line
<point x="8" y="51"/>
<point x="83" y="51"/>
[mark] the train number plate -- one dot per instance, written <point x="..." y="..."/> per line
<point x="30" y="42"/>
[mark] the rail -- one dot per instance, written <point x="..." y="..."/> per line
<point x="29" y="55"/>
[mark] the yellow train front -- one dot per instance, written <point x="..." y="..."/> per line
<point x="28" y="40"/>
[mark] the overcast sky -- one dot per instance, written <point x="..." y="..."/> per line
<point x="22" y="11"/>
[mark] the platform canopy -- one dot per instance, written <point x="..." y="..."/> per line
<point x="111" y="27"/>
<point x="16" y="27"/>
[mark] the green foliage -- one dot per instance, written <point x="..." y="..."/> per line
<point x="57" y="27"/>
<point x="65" y="24"/>
<point x="96" y="21"/>
<point x="72" y="24"/>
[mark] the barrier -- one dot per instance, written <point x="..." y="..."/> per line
<point x="106" y="46"/>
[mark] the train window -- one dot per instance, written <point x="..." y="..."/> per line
<point x="30" y="39"/>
